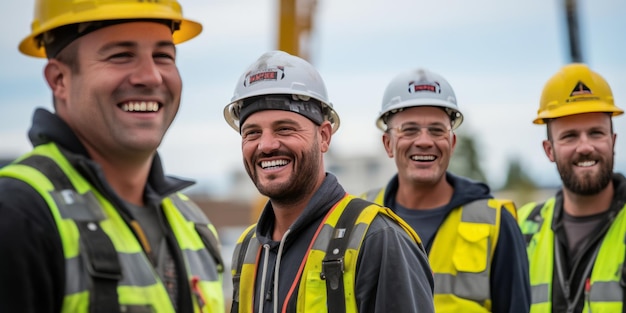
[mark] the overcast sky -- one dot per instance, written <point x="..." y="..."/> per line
<point x="496" y="54"/>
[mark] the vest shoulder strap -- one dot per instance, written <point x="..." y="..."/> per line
<point x="333" y="263"/>
<point x="508" y="204"/>
<point x="194" y="214"/>
<point x="101" y="258"/>
<point x="535" y="217"/>
<point x="238" y="266"/>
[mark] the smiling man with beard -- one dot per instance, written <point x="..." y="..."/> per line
<point x="315" y="248"/>
<point x="576" y="238"/>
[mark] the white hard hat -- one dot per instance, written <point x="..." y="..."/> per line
<point x="279" y="73"/>
<point x="419" y="87"/>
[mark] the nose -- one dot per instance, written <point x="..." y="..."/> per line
<point x="585" y="144"/>
<point x="268" y="143"/>
<point x="146" y="73"/>
<point x="423" y="138"/>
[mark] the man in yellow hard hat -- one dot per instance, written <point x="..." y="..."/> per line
<point x="576" y="238"/>
<point x="89" y="222"/>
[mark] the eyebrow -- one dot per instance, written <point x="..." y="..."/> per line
<point x="289" y="122"/>
<point x="133" y="44"/>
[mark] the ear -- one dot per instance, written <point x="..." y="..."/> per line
<point x="453" y="143"/>
<point x="326" y="132"/>
<point x="549" y="150"/>
<point x="57" y="76"/>
<point x="387" y="144"/>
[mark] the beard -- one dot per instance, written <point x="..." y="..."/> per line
<point x="588" y="183"/>
<point x="301" y="182"/>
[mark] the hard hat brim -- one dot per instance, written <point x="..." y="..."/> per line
<point x="188" y="28"/>
<point x="586" y="107"/>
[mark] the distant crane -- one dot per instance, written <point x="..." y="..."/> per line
<point x="573" y="30"/>
<point x="295" y="25"/>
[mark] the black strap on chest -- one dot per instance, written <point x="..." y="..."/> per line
<point x="333" y="263"/>
<point x="240" y="260"/>
<point x="100" y="256"/>
<point x="535" y="216"/>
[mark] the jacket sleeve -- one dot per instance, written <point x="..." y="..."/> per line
<point x="32" y="271"/>
<point x="510" y="284"/>
<point x="393" y="273"/>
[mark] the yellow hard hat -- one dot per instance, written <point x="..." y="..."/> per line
<point x="573" y="90"/>
<point x="51" y="14"/>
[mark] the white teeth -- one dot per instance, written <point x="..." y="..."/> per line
<point x="267" y="164"/>
<point x="140" y="106"/>
<point x="423" y="158"/>
<point x="586" y="163"/>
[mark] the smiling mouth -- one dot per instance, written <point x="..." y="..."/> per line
<point x="423" y="158"/>
<point x="586" y="163"/>
<point x="273" y="164"/>
<point x="140" y="106"/>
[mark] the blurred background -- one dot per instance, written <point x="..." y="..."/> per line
<point x="496" y="54"/>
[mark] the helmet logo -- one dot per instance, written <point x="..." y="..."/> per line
<point x="581" y="93"/>
<point x="421" y="86"/>
<point x="580" y="89"/>
<point x="268" y="74"/>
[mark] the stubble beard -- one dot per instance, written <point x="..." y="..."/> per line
<point x="299" y="185"/>
<point x="586" y="184"/>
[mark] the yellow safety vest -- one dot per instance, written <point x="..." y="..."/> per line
<point x="314" y="292"/>
<point x="89" y="224"/>
<point x="462" y="252"/>
<point x="605" y="293"/>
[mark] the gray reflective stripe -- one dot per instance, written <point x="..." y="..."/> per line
<point x="479" y="212"/>
<point x="75" y="276"/>
<point x="189" y="210"/>
<point x="372" y="194"/>
<point x="135" y="272"/>
<point x="323" y="238"/>
<point x="251" y="251"/>
<point x="357" y="234"/>
<point x="199" y="263"/>
<point x="464" y="285"/>
<point x="606" y="292"/>
<point x="540" y="293"/>
<point x="79" y="207"/>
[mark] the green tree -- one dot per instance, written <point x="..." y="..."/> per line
<point x="466" y="160"/>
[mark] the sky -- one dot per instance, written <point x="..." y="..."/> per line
<point x="496" y="54"/>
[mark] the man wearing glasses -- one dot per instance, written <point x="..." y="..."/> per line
<point x="475" y="248"/>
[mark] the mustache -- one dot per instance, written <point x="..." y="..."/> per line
<point x="272" y="154"/>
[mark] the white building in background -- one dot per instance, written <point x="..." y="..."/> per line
<point x="360" y="173"/>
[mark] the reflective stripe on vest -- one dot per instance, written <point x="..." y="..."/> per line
<point x="140" y="287"/>
<point x="605" y="293"/>
<point x="462" y="274"/>
<point x="312" y="293"/>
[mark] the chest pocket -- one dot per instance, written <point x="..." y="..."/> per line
<point x="469" y="251"/>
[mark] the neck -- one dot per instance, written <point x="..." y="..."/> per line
<point x="424" y="196"/>
<point x="128" y="178"/>
<point x="286" y="214"/>
<point x="585" y="205"/>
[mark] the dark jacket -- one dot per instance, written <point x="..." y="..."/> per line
<point x="32" y="269"/>
<point x="392" y="275"/>
<point x="509" y="280"/>
<point x="576" y="274"/>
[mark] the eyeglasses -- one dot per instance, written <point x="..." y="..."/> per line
<point x="410" y="131"/>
